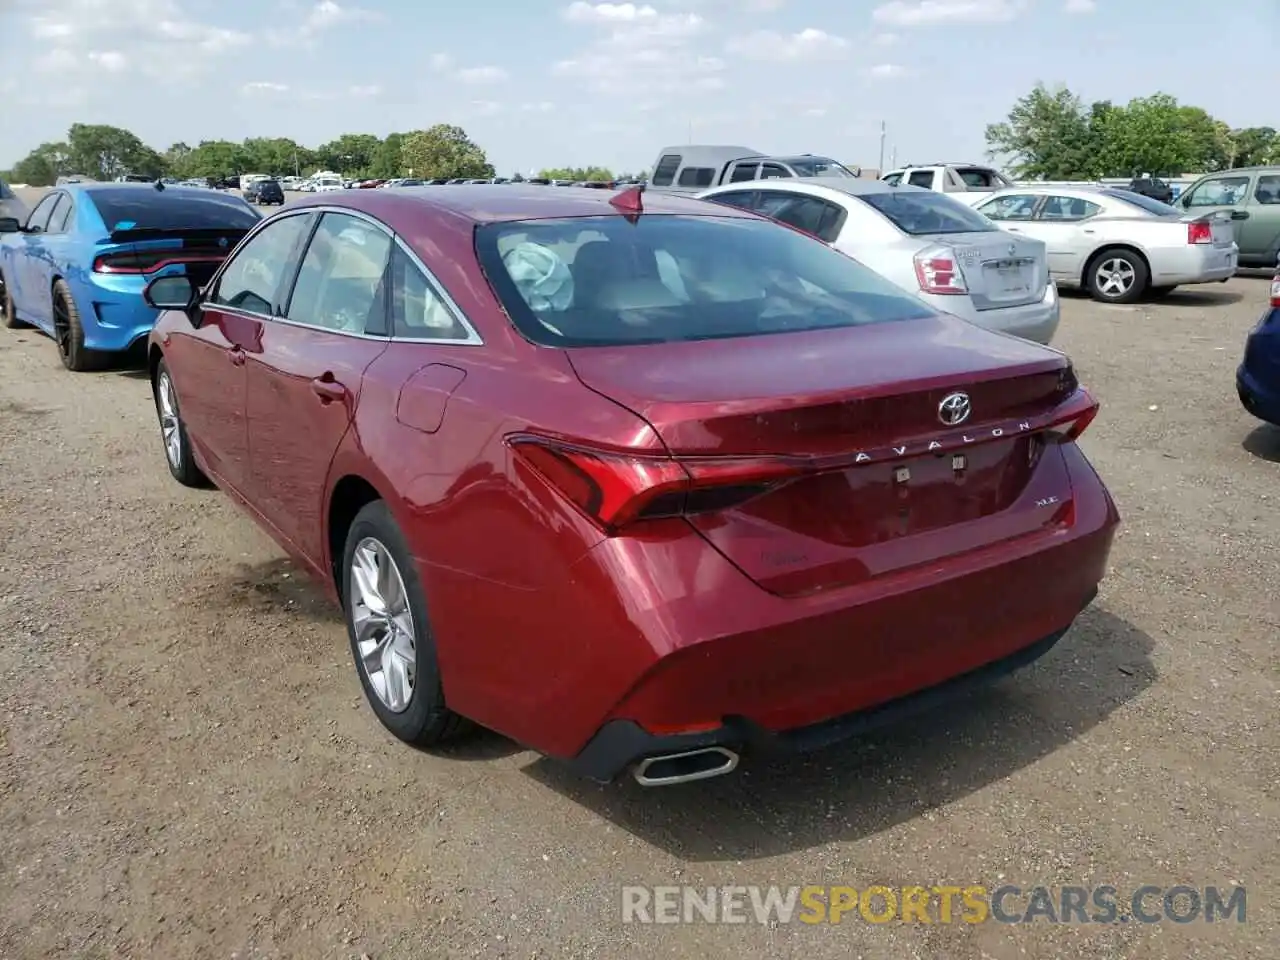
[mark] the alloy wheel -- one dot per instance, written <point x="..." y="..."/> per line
<point x="1115" y="277"/>
<point x="61" y="327"/>
<point x="170" y="426"/>
<point x="383" y="624"/>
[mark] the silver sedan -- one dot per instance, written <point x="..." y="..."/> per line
<point x="928" y="243"/>
<point x="1117" y="245"/>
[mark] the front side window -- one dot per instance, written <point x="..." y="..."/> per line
<point x="595" y="281"/>
<point x="256" y="272"/>
<point x="893" y="179"/>
<point x="1019" y="206"/>
<point x="1067" y="208"/>
<point x="1219" y="192"/>
<point x="339" y="285"/>
<point x="39" y="218"/>
<point x="921" y="178"/>
<point x="743" y="172"/>
<point x="774" y="171"/>
<point x="818" y="167"/>
<point x="918" y="213"/>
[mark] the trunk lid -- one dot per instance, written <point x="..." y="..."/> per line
<point x="887" y="485"/>
<point x="1000" y="269"/>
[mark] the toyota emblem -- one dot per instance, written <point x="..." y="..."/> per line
<point x="954" y="409"/>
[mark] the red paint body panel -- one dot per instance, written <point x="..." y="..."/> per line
<point x="833" y="592"/>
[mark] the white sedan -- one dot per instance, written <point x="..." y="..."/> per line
<point x="1117" y="245"/>
<point x="928" y="243"/>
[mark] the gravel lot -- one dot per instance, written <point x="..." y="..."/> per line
<point x="187" y="768"/>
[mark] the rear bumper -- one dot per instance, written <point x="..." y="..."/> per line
<point x="1037" y="321"/>
<point x="114" y="315"/>
<point x="621" y="744"/>
<point x="1193" y="263"/>
<point x="685" y="651"/>
<point x="1258" y="398"/>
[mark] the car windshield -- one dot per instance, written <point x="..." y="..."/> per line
<point x="1142" y="202"/>
<point x="920" y="212"/>
<point x="597" y="281"/>
<point x="818" y="167"/>
<point x="138" y="208"/>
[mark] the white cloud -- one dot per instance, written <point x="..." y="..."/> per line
<point x="112" y="61"/>
<point x="481" y="75"/>
<point x="636" y="47"/>
<point x="542" y="106"/>
<point x="885" y="39"/>
<point x="809" y="44"/>
<point x="264" y="86"/>
<point x="444" y="63"/>
<point x="1080" y="6"/>
<point x="580" y="12"/>
<point x="365" y="90"/>
<point x="485" y="108"/>
<point x="921" y="13"/>
<point x="886" y="71"/>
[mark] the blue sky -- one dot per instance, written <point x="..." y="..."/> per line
<point x="541" y="83"/>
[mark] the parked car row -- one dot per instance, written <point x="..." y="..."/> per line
<point x="577" y="466"/>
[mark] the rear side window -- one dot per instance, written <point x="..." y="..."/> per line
<point x="140" y="208"/>
<point x="981" y="178"/>
<point x="743" y="172"/>
<point x="1067" y="208"/>
<point x="1149" y="204"/>
<point x="697" y="177"/>
<point x="596" y="281"/>
<point x="893" y="179"/>
<point x="813" y="215"/>
<point x="417" y="310"/>
<point x="921" y="178"/>
<point x="918" y="213"/>
<point x="61" y="214"/>
<point x="665" y="172"/>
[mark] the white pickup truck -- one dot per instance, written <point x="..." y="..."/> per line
<point x="967" y="182"/>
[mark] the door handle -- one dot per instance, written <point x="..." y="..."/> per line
<point x="236" y="355"/>
<point x="1239" y="214"/>
<point x="1012" y="230"/>
<point x="328" y="389"/>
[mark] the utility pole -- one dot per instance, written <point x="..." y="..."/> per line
<point x="894" y="161"/>
<point x="880" y="168"/>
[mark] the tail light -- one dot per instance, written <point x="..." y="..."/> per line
<point x="1199" y="231"/>
<point x="144" y="261"/>
<point x="1074" y="420"/>
<point x="938" y="272"/>
<point x="615" y="490"/>
<point x="1275" y="291"/>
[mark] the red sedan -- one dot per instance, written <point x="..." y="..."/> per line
<point x="641" y="482"/>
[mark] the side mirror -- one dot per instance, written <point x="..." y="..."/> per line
<point x="10" y="225"/>
<point x="170" y="293"/>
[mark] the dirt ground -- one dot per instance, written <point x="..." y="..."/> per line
<point x="188" y="769"/>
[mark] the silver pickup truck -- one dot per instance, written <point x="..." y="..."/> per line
<point x="693" y="168"/>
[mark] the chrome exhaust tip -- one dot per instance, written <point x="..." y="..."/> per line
<point x="667" y="769"/>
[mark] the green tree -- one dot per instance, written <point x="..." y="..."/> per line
<point x="443" y="151"/>
<point x="215" y="158"/>
<point x="351" y="153"/>
<point x="1047" y="136"/>
<point x="1254" y="146"/>
<point x="577" y="173"/>
<point x="42" y="166"/>
<point x="387" y="158"/>
<point x="106" y="152"/>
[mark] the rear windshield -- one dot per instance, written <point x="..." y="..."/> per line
<point x="919" y="212"/>
<point x="597" y="281"/>
<point x="1138" y="200"/>
<point x="141" y="208"/>
<point x="818" y="167"/>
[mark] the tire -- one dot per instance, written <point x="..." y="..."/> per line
<point x="407" y="699"/>
<point x="1115" y="275"/>
<point x="68" y="332"/>
<point x="173" y="432"/>
<point x="8" y="311"/>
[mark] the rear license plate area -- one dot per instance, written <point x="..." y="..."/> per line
<point x="1008" y="278"/>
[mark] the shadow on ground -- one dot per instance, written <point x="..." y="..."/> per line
<point x="861" y="788"/>
<point x="277" y="586"/>
<point x="1264" y="443"/>
<point x="1205" y="295"/>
